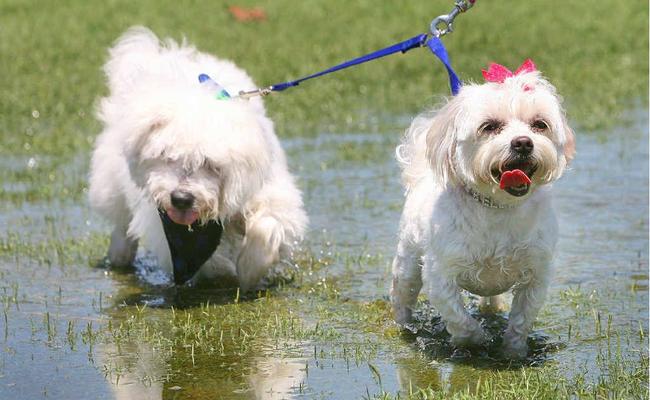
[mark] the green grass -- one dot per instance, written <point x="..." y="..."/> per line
<point x="594" y="51"/>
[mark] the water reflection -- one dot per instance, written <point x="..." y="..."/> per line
<point x="138" y="371"/>
<point x="603" y="251"/>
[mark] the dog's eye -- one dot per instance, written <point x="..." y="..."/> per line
<point x="539" y="125"/>
<point x="490" y="127"/>
<point x="213" y="168"/>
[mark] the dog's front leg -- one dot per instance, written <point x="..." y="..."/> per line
<point x="260" y="249"/>
<point x="407" y="282"/>
<point x="123" y="247"/>
<point x="445" y="295"/>
<point x="526" y="303"/>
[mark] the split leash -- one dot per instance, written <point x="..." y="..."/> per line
<point x="439" y="27"/>
<point x="190" y="248"/>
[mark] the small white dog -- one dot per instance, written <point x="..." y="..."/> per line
<point x="478" y="213"/>
<point x="175" y="150"/>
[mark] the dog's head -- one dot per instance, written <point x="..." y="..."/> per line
<point x="503" y="138"/>
<point x="194" y="156"/>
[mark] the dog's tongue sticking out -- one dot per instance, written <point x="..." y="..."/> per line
<point x="513" y="178"/>
<point x="182" y="217"/>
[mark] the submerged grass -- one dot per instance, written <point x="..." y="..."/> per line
<point x="201" y="342"/>
<point x="621" y="379"/>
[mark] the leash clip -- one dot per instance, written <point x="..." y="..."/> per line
<point x="261" y="92"/>
<point x="445" y="21"/>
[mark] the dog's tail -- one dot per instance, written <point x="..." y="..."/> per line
<point x="411" y="153"/>
<point x="130" y="57"/>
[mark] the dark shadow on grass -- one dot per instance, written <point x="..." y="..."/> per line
<point x="427" y="332"/>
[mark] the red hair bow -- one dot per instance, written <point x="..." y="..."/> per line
<point x="498" y="73"/>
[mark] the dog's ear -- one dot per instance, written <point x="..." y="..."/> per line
<point x="245" y="169"/>
<point x="441" y="144"/>
<point x="569" y="144"/>
<point x="138" y="143"/>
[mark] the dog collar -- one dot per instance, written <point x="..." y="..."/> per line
<point x="190" y="246"/>
<point x="485" y="201"/>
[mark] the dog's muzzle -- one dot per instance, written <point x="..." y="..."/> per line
<point x="190" y="245"/>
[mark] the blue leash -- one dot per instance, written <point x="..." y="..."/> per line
<point x="439" y="50"/>
<point x="402" y="47"/>
<point x="439" y="27"/>
<point x="435" y="44"/>
<point x="191" y="248"/>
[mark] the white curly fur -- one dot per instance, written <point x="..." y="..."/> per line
<point x="165" y="131"/>
<point x="448" y="241"/>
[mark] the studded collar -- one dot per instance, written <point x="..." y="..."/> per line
<point x="484" y="200"/>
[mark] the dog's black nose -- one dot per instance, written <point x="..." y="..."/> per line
<point x="182" y="200"/>
<point x="522" y="145"/>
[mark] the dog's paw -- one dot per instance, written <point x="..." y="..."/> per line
<point x="515" y="351"/>
<point x="122" y="249"/>
<point x="514" y="346"/>
<point x="402" y="314"/>
<point x="253" y="265"/>
<point x="470" y="337"/>
<point x="122" y="255"/>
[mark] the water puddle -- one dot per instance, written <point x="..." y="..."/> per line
<point x="323" y="332"/>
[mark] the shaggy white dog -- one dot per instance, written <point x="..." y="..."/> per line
<point x="169" y="145"/>
<point x="478" y="213"/>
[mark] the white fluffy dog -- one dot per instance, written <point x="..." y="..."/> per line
<point x="478" y="213"/>
<point x="169" y="145"/>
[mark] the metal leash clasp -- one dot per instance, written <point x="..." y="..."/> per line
<point x="261" y="92"/>
<point x="442" y="24"/>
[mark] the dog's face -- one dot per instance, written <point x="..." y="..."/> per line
<point x="196" y="157"/>
<point x="502" y="139"/>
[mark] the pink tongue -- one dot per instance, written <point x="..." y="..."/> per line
<point x="513" y="178"/>
<point x="186" y="217"/>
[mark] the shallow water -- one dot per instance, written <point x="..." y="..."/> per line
<point x="57" y="301"/>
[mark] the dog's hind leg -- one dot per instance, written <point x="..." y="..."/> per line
<point x="493" y="303"/>
<point x="407" y="281"/>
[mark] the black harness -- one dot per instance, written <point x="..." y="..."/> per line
<point x="190" y="246"/>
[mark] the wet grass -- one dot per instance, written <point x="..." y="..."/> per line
<point x="326" y="321"/>
<point x="197" y="343"/>
<point x="622" y="379"/>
